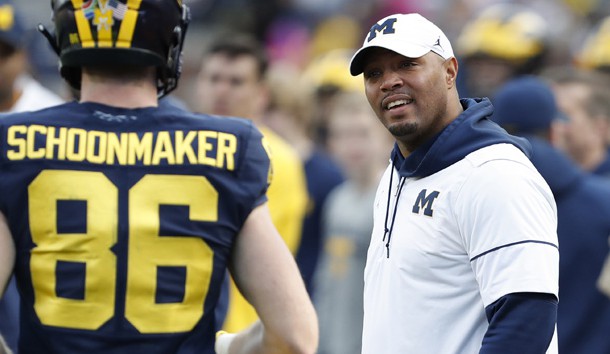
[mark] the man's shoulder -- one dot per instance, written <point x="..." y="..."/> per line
<point x="152" y="118"/>
<point x="491" y="165"/>
<point x="500" y="169"/>
<point x="220" y="123"/>
<point x="34" y="115"/>
<point x="497" y="152"/>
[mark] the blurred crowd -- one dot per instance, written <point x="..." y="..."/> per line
<point x="545" y="64"/>
<point x="298" y="32"/>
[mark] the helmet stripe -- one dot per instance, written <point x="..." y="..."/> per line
<point x="128" y="25"/>
<point x="84" y="30"/>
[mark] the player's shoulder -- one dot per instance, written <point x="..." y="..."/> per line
<point x="38" y="115"/>
<point x="151" y="118"/>
<point x="234" y="125"/>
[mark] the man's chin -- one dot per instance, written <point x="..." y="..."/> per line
<point x="402" y="129"/>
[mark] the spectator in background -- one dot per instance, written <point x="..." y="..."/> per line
<point x="595" y="52"/>
<point x="290" y="115"/>
<point x="501" y="42"/>
<point x="18" y="92"/>
<point x="594" y="55"/>
<point x="330" y="76"/>
<point x="232" y="82"/>
<point x="584" y="97"/>
<point x="527" y="107"/>
<point x="360" y="144"/>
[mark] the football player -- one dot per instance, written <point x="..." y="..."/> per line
<point x="120" y="217"/>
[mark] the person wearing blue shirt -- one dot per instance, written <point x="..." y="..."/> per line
<point x="527" y="107"/>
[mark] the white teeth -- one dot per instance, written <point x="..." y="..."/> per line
<point x="396" y="103"/>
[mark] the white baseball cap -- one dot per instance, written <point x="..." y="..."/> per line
<point x="410" y="35"/>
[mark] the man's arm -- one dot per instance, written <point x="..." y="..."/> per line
<point x="7" y="262"/>
<point x="520" y="323"/>
<point x="268" y="277"/>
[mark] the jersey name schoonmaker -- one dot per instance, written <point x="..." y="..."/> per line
<point x="123" y="222"/>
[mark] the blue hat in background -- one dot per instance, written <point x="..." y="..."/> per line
<point x="525" y="105"/>
<point x="12" y="31"/>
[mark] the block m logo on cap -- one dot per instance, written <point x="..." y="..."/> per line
<point x="387" y="27"/>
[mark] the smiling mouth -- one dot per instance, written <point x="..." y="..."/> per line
<point x="397" y="103"/>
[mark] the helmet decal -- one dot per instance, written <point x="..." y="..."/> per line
<point x="595" y="51"/>
<point x="103" y="14"/>
<point x="514" y="33"/>
<point x="120" y="33"/>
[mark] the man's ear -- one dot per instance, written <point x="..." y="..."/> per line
<point x="263" y="99"/>
<point x="451" y="71"/>
<point x="557" y="134"/>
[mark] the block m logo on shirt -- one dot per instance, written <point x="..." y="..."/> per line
<point x="425" y="201"/>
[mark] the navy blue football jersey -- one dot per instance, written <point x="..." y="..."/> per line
<point x="123" y="222"/>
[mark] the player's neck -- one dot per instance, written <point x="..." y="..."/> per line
<point x="132" y="94"/>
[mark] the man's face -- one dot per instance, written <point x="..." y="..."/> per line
<point x="409" y="95"/>
<point x="582" y="133"/>
<point x="11" y="66"/>
<point x="485" y="75"/>
<point x="230" y="86"/>
<point x="357" y="141"/>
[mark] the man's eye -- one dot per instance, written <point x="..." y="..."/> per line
<point x="372" y="73"/>
<point x="236" y="81"/>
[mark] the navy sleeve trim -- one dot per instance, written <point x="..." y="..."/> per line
<point x="513" y="244"/>
<point x="520" y="323"/>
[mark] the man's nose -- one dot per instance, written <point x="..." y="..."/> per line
<point x="391" y="80"/>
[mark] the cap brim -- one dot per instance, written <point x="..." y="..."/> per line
<point x="356" y="66"/>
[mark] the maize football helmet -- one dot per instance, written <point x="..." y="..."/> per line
<point x="510" y="32"/>
<point x="595" y="53"/>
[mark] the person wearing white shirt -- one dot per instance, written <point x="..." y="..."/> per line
<point x="463" y="256"/>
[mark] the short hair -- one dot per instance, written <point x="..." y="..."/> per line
<point x="237" y="45"/>
<point x="124" y="74"/>
<point x="598" y="100"/>
<point x="293" y="94"/>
